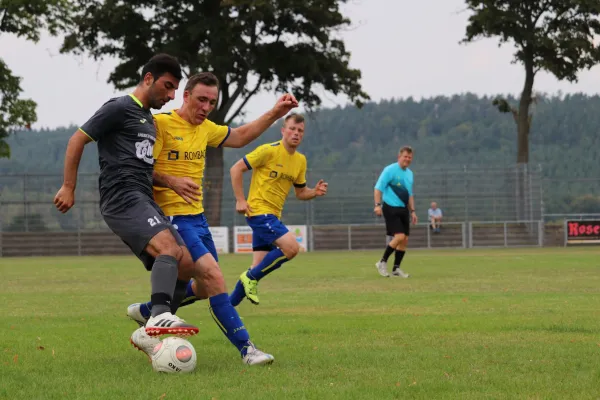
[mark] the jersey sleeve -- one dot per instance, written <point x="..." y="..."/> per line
<point x="383" y="180"/>
<point x="258" y="157"/>
<point x="300" y="181"/>
<point x="158" y="144"/>
<point x="106" y="119"/>
<point x="217" y="134"/>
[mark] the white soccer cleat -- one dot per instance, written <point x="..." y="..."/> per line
<point x="256" y="357"/>
<point x="400" y="273"/>
<point x="134" y="312"/>
<point x="169" y="324"/>
<point x="382" y="268"/>
<point x="143" y="342"/>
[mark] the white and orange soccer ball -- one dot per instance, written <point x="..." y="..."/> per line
<point x="174" y="355"/>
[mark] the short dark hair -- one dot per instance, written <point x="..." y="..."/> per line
<point x="406" y="149"/>
<point x="204" y="78"/>
<point x="161" y="64"/>
<point x="298" y="118"/>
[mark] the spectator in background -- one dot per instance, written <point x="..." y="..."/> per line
<point x="435" y="217"/>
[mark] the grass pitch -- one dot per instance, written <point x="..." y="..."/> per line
<point x="468" y="324"/>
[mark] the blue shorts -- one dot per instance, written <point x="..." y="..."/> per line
<point x="196" y="235"/>
<point x="266" y="229"/>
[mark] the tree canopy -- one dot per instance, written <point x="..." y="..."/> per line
<point x="251" y="46"/>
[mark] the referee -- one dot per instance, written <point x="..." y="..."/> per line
<point x="394" y="199"/>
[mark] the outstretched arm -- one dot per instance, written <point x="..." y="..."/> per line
<point x="241" y="136"/>
<point x="306" y="193"/>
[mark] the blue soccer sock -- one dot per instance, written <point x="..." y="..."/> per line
<point x="272" y="261"/>
<point x="237" y="295"/>
<point x="229" y="321"/>
<point x="190" y="298"/>
<point x="146" y="309"/>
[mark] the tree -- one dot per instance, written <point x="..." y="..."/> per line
<point x="27" y="19"/>
<point x="556" y="36"/>
<point x="251" y="45"/>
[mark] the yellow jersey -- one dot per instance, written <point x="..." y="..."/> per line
<point x="274" y="171"/>
<point x="180" y="150"/>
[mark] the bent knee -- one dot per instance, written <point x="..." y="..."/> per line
<point x="173" y="250"/>
<point x="210" y="274"/>
<point x="291" y="250"/>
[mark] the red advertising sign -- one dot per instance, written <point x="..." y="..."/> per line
<point x="582" y="232"/>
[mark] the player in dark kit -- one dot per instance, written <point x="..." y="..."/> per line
<point x="124" y="130"/>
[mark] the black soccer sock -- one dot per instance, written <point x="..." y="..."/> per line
<point x="398" y="259"/>
<point x="179" y="295"/>
<point x="163" y="279"/>
<point x="387" y="253"/>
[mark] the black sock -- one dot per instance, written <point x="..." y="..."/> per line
<point x="387" y="253"/>
<point x="163" y="278"/>
<point x="398" y="259"/>
<point x="179" y="295"/>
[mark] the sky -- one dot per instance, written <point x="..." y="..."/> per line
<point x="403" y="48"/>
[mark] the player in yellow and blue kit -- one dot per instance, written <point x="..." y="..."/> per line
<point x="275" y="168"/>
<point x="183" y="136"/>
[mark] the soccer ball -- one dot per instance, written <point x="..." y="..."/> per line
<point x="174" y="355"/>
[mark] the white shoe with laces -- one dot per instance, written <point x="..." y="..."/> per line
<point x="400" y="273"/>
<point x="382" y="268"/>
<point x="143" y="342"/>
<point x="169" y="324"/>
<point x="134" y="312"/>
<point x="256" y="357"/>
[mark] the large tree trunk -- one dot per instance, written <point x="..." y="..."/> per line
<point x="213" y="185"/>
<point x="523" y="119"/>
<point x="213" y="175"/>
<point x="523" y="126"/>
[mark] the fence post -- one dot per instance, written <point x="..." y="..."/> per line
<point x="26" y="214"/>
<point x="428" y="236"/>
<point x="466" y="193"/>
<point x="464" y="235"/>
<point x="349" y="237"/>
<point x="470" y="234"/>
<point x="505" y="234"/>
<point x="541" y="232"/>
<point x="1" y="234"/>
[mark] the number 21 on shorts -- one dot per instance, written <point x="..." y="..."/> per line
<point x="153" y="221"/>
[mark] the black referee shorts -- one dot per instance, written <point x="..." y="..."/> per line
<point x="397" y="220"/>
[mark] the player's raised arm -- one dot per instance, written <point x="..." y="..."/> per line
<point x="237" y="183"/>
<point x="241" y="136"/>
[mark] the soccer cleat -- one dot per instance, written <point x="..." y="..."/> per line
<point x="400" y="273"/>
<point x="134" y="312"/>
<point x="169" y="324"/>
<point x="382" y="268"/>
<point x="250" y="288"/>
<point x="143" y="342"/>
<point x="256" y="357"/>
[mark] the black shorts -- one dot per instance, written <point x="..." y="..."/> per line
<point x="397" y="220"/>
<point x="136" y="223"/>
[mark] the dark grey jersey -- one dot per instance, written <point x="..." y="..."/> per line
<point x="125" y="134"/>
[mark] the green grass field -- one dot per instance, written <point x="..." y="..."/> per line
<point x="468" y="324"/>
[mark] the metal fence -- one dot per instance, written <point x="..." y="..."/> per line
<point x="463" y="193"/>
